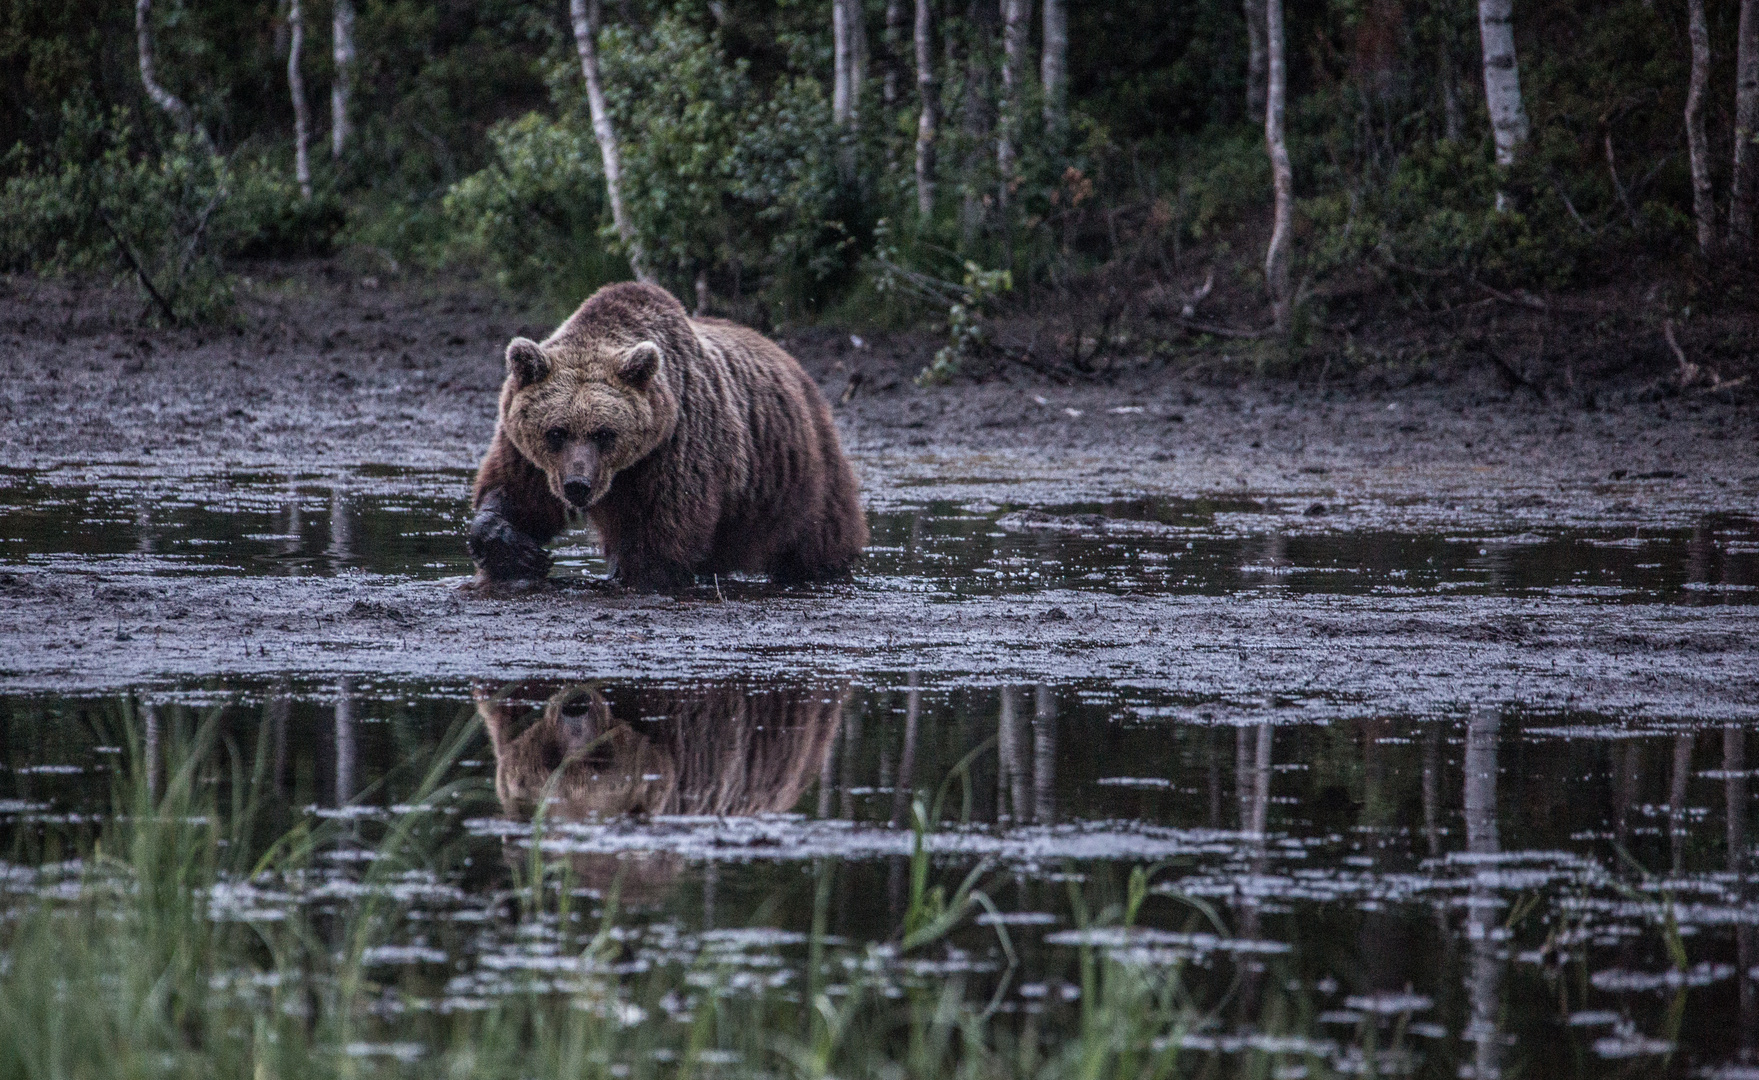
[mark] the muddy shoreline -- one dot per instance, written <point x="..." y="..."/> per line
<point x="337" y="382"/>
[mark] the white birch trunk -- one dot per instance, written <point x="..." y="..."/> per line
<point x="163" y="98"/>
<point x="858" y="74"/>
<point x="1014" y="16"/>
<point x="342" y="52"/>
<point x="847" y="48"/>
<point x="296" y="85"/>
<point x="1450" y="90"/>
<point x="1697" y="144"/>
<point x="1053" y="71"/>
<point x="928" y="119"/>
<point x="585" y="17"/>
<point x="894" y="53"/>
<point x="1276" y="258"/>
<point x="1502" y="78"/>
<point x="1744" y="198"/>
<point x="1256" y="69"/>
<point x="841" y="99"/>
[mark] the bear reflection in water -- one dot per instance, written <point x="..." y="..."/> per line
<point x="718" y="749"/>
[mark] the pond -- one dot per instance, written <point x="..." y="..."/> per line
<point x="1337" y="882"/>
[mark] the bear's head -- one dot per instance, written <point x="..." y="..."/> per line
<point x="577" y="759"/>
<point x="601" y="393"/>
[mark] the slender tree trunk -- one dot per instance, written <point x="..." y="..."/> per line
<point x="847" y="48"/>
<point x="1276" y="259"/>
<point x="163" y="98"/>
<point x="296" y="85"/>
<point x="975" y="118"/>
<point x="585" y="16"/>
<point x="1053" y="72"/>
<point x="1744" y="198"/>
<point x="1450" y="87"/>
<point x="849" y="37"/>
<point x="341" y="86"/>
<point x="1015" y="14"/>
<point x="1257" y="62"/>
<point x="894" y="54"/>
<point x="842" y="63"/>
<point x="1697" y="144"/>
<point x="1502" y="78"/>
<point x="928" y="120"/>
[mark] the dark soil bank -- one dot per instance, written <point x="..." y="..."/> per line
<point x="1361" y="550"/>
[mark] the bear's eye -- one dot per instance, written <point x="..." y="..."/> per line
<point x="555" y="439"/>
<point x="604" y="437"/>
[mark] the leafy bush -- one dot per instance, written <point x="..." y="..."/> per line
<point x="723" y="178"/>
<point x="265" y="216"/>
<point x="1438" y="214"/>
<point x="104" y="199"/>
<point x="536" y="214"/>
<point x="94" y="203"/>
<point x="720" y="179"/>
<point x="968" y="331"/>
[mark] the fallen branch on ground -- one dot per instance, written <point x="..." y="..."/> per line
<point x="1220" y="331"/>
<point x="140" y="272"/>
<point x="1689" y="372"/>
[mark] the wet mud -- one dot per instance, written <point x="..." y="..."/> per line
<point x="1444" y="699"/>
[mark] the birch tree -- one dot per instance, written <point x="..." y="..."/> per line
<point x="928" y="118"/>
<point x="1697" y="145"/>
<point x="342" y="52"/>
<point x="1014" y="16"/>
<point x="1053" y="71"/>
<point x="849" y="48"/>
<point x="296" y="86"/>
<point x="976" y="121"/>
<point x="848" y="53"/>
<point x="1502" y="79"/>
<point x="1744" y="196"/>
<point x="1276" y="259"/>
<point x="1256" y="70"/>
<point x="585" y="17"/>
<point x="894" y="53"/>
<point x="163" y="98"/>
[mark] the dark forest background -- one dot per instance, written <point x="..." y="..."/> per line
<point x="473" y="149"/>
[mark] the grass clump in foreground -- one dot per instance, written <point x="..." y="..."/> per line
<point x="179" y="943"/>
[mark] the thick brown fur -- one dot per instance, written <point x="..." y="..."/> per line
<point x="722" y="749"/>
<point x="694" y="446"/>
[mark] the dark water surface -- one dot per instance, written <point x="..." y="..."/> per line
<point x="1485" y="891"/>
<point x="407" y="523"/>
<point x="1466" y="893"/>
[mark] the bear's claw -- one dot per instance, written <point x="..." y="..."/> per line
<point x="503" y="553"/>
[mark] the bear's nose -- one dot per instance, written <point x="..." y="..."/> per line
<point x="578" y="492"/>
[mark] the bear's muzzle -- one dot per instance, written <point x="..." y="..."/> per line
<point x="580" y="468"/>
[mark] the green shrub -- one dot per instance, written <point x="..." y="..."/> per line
<point x="721" y="178"/>
<point x="1438" y="214"/>
<point x="536" y="215"/>
<point x="106" y="198"/>
<point x="266" y="217"/>
<point x="94" y="202"/>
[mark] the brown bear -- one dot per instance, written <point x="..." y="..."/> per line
<point x="693" y="446"/>
<point x="726" y="749"/>
<point x="729" y="749"/>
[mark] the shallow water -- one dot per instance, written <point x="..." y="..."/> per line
<point x="407" y="523"/>
<point x="1497" y="886"/>
<point x="1441" y="890"/>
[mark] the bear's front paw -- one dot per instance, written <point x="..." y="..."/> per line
<point x="502" y="553"/>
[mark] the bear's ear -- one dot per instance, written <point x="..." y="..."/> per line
<point x="526" y="363"/>
<point x="639" y="364"/>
